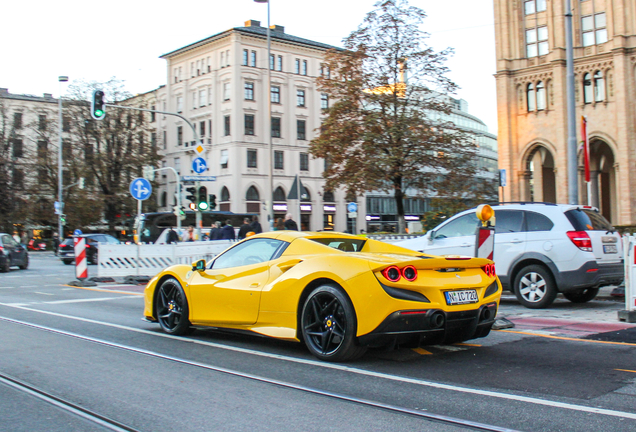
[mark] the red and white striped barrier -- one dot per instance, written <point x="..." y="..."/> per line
<point x="81" y="268"/>
<point x="485" y="246"/>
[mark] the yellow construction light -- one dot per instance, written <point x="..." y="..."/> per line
<point x="485" y="213"/>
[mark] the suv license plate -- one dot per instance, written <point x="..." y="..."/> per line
<point x="461" y="297"/>
<point x="610" y="249"/>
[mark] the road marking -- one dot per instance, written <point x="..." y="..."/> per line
<point x="317" y="363"/>
<point x="31" y="286"/>
<point x="49" y="294"/>
<point x="626" y="370"/>
<point x="85" y="300"/>
<point x="422" y="351"/>
<point x="109" y="291"/>
<point x="467" y="344"/>
<point x="567" y="338"/>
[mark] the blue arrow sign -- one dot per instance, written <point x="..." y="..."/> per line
<point x="77" y="232"/>
<point x="199" y="165"/>
<point x="140" y="189"/>
<point x="351" y="207"/>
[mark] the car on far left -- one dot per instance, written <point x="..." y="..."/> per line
<point x="67" y="250"/>
<point x="12" y="254"/>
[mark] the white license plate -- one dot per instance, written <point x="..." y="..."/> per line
<point x="610" y="249"/>
<point x="461" y="297"/>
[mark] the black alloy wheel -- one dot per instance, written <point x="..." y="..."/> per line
<point x="25" y="263"/>
<point x="171" y="307"/>
<point x="535" y="287"/>
<point x="583" y="296"/>
<point x="328" y="324"/>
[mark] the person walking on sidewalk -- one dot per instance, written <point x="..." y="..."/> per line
<point x="290" y="224"/>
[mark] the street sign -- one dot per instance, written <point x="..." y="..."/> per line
<point x="199" y="165"/>
<point x="198" y="178"/>
<point x="352" y="215"/>
<point x="140" y="189"/>
<point x="199" y="148"/>
<point x="352" y="207"/>
<point x="58" y="209"/>
<point x="502" y="178"/>
<point x="77" y="232"/>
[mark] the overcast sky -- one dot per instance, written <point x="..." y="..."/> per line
<point x="94" y="41"/>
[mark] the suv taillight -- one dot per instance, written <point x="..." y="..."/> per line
<point x="581" y="240"/>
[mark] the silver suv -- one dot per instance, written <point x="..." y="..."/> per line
<point x="541" y="249"/>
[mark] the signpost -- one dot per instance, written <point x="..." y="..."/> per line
<point x="199" y="165"/>
<point x="352" y="209"/>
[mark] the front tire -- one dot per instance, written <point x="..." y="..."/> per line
<point x="535" y="287"/>
<point x="329" y="325"/>
<point x="583" y="296"/>
<point x="171" y="307"/>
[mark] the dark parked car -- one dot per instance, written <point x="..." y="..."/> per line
<point x="67" y="251"/>
<point x="12" y="253"/>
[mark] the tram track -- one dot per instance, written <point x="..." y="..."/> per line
<point x="114" y="425"/>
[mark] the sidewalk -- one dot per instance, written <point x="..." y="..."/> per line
<point x="597" y="319"/>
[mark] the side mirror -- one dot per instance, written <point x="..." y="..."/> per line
<point x="198" y="266"/>
<point x="430" y="236"/>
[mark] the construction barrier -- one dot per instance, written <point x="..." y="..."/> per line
<point x="629" y="249"/>
<point x="150" y="259"/>
<point x="81" y="268"/>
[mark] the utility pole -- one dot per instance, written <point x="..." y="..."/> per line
<point x="573" y="185"/>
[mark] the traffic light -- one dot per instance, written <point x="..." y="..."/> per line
<point x="191" y="194"/>
<point x="63" y="219"/>
<point x="212" y="201"/>
<point x="202" y="198"/>
<point x="98" y="107"/>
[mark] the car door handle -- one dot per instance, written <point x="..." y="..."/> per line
<point x="255" y="285"/>
<point x="516" y="241"/>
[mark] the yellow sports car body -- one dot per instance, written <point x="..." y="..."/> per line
<point x="335" y="292"/>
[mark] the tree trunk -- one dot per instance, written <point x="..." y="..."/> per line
<point x="399" y="202"/>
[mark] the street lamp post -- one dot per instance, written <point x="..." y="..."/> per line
<point x="60" y="198"/>
<point x="270" y="201"/>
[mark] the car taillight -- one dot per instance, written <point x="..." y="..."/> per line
<point x="489" y="269"/>
<point x="392" y="273"/>
<point x="410" y="273"/>
<point x="581" y="240"/>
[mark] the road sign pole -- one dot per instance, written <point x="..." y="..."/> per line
<point x="198" y="215"/>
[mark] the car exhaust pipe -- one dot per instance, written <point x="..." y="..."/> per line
<point x="485" y="314"/>
<point x="437" y="319"/>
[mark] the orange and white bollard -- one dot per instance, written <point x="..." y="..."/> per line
<point x="81" y="267"/>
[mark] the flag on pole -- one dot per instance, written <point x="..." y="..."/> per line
<point x="586" y="148"/>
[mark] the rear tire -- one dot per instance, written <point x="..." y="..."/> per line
<point x="535" y="287"/>
<point x="26" y="263"/>
<point x="67" y="261"/>
<point x="6" y="267"/>
<point x="583" y="296"/>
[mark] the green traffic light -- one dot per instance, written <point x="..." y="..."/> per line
<point x="99" y="113"/>
<point x="203" y="206"/>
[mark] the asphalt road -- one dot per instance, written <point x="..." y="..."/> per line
<point x="88" y="348"/>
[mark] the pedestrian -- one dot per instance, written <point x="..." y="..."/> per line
<point x="227" y="232"/>
<point x="256" y="226"/>
<point x="244" y="229"/>
<point x="280" y="225"/>
<point x="290" y="224"/>
<point x="16" y="237"/>
<point x="188" y="236"/>
<point x="215" y="231"/>
<point x="56" y="243"/>
<point x="172" y="236"/>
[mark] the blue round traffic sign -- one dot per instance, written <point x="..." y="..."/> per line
<point x="140" y="189"/>
<point x="77" y="232"/>
<point x="352" y="207"/>
<point x="199" y="165"/>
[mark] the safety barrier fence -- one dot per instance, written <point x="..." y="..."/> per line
<point x="629" y="249"/>
<point x="150" y="259"/>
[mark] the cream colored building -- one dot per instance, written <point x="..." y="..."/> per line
<point x="220" y="84"/>
<point x="531" y="99"/>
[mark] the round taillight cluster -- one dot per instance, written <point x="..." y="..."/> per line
<point x="489" y="269"/>
<point x="394" y="273"/>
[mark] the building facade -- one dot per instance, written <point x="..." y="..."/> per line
<point x="220" y="84"/>
<point x="531" y="101"/>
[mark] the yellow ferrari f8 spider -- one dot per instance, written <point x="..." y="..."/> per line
<point x="337" y="293"/>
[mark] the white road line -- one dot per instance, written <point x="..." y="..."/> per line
<point x="32" y="286"/>
<point x="415" y="381"/>
<point x="49" y="294"/>
<point x="87" y="300"/>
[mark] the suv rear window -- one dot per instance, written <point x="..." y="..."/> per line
<point x="588" y="220"/>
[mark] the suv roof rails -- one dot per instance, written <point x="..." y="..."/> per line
<point x="521" y="202"/>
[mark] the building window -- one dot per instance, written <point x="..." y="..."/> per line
<point x="531" y="97"/>
<point x="226" y="122"/>
<point x="222" y="59"/>
<point x="18" y="178"/>
<point x="226" y="91"/>
<point x="594" y="29"/>
<point x="225" y="194"/>
<point x="179" y="135"/>
<point x="202" y="128"/>
<point x="227" y="58"/>
<point x="541" y="96"/>
<point x="224" y="158"/>
<point x="66" y="124"/>
<point x="42" y="122"/>
<point x="17" y="148"/>
<point x="272" y="59"/>
<point x="249" y="91"/>
<point x="599" y="87"/>
<point x="252" y="194"/>
<point x="279" y="194"/>
<point x="153" y="115"/>
<point x="194" y="99"/>
<point x="279" y="160"/>
<point x="17" y="120"/>
<point x="253" y="59"/>
<point x="165" y="140"/>
<point x="297" y="66"/>
<point x="588" y="91"/>
<point x="537" y="42"/>
<point x="304" y="162"/>
<point x="300" y="129"/>
<point x="324" y="100"/>
<point x="245" y="57"/>
<point x="279" y="64"/>
<point x="304" y="67"/>
<point x="249" y="124"/>
<point x="153" y="141"/>
<point x="251" y="158"/>
<point x="42" y="150"/>
<point x="275" y="94"/>
<point x="275" y="127"/>
<point x="533" y="6"/>
<point x="300" y="98"/>
<point x="202" y="101"/>
<point x="179" y="104"/>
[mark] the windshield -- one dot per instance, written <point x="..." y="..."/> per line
<point x="588" y="220"/>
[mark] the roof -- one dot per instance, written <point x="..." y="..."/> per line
<point x="257" y="31"/>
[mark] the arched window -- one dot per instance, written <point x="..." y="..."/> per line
<point x="599" y="87"/>
<point x="530" y="97"/>
<point x="306" y="196"/>
<point x="225" y="194"/>
<point x="252" y="194"/>
<point x="541" y="96"/>
<point x="587" y="89"/>
<point x="279" y="194"/>
<point x="328" y="196"/>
